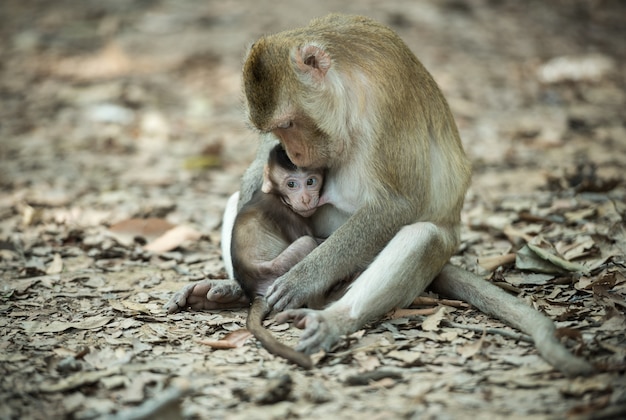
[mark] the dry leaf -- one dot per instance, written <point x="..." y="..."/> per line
<point x="547" y="252"/>
<point x="134" y="306"/>
<point x="56" y="266"/>
<point x="449" y="335"/>
<point x="406" y="356"/>
<point x="109" y="62"/>
<point x="491" y="263"/>
<point x="582" y="246"/>
<point x="19" y="285"/>
<point x="431" y="323"/>
<point x="78" y="379"/>
<point x="590" y="68"/>
<point x="150" y="229"/>
<point x="469" y="350"/>
<point x="526" y="259"/>
<point x="584" y="283"/>
<point x="578" y="215"/>
<point x="367" y="362"/>
<point x="91" y="323"/>
<point x="580" y="386"/>
<point x="615" y="323"/>
<point x="513" y="233"/>
<point x="525" y="278"/>
<point x="172" y="239"/>
<point x="230" y="341"/>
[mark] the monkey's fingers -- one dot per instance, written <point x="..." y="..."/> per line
<point x="279" y="296"/>
<point x="318" y="333"/>
<point x="298" y="317"/>
<point x="178" y="300"/>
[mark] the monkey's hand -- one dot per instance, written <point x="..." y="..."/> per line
<point x="285" y="293"/>
<point x="322" y="328"/>
<point x="207" y="295"/>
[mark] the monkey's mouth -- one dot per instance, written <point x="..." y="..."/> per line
<point x="305" y="213"/>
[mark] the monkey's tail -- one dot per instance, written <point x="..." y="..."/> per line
<point x="258" y="311"/>
<point x="492" y="300"/>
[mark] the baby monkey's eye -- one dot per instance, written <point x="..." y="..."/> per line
<point x="311" y="182"/>
<point x="292" y="184"/>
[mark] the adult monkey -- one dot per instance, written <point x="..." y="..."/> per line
<point x="347" y="94"/>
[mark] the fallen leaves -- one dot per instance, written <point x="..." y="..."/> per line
<point x="232" y="340"/>
<point x="544" y="258"/>
<point x="590" y="68"/>
<point x="78" y="379"/>
<point x="56" y="266"/>
<point x="431" y="323"/>
<point x="161" y="235"/>
<point x="91" y="323"/>
<point x="172" y="239"/>
<point x="101" y="124"/>
<point x="471" y="349"/>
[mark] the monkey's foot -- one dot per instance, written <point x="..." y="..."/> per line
<point x="322" y="328"/>
<point x="207" y="295"/>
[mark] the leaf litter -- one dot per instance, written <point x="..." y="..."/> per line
<point x="121" y="145"/>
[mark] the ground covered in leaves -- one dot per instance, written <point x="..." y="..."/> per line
<point x="122" y="135"/>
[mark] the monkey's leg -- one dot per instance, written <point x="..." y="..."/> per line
<point x="207" y="295"/>
<point x="401" y="272"/>
<point x="460" y="284"/>
<point x="290" y="256"/>
<point x="228" y="221"/>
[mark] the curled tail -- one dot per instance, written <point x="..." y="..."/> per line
<point x="258" y="311"/>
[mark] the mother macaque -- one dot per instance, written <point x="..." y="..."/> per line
<point x="345" y="93"/>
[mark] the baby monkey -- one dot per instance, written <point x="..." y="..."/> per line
<point x="272" y="233"/>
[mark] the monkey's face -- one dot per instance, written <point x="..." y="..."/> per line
<point x="299" y="190"/>
<point x="305" y="144"/>
<point x="280" y="80"/>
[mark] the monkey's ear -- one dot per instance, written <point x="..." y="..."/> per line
<point x="313" y="60"/>
<point x="267" y="182"/>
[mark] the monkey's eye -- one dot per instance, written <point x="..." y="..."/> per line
<point x="292" y="185"/>
<point x="311" y="182"/>
<point x="286" y="124"/>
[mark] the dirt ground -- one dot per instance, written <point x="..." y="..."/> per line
<point x="122" y="135"/>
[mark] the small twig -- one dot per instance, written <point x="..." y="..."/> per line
<point x="430" y="301"/>
<point x="496" y="331"/>
<point x="366" y="378"/>
<point x="165" y="405"/>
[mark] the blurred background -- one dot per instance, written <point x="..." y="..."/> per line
<point x="134" y="108"/>
<point x="113" y="112"/>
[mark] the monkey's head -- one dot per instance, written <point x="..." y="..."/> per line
<point x="283" y="75"/>
<point x="299" y="189"/>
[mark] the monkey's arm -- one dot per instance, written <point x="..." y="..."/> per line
<point x="398" y="274"/>
<point x="460" y="284"/>
<point x="351" y="248"/>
